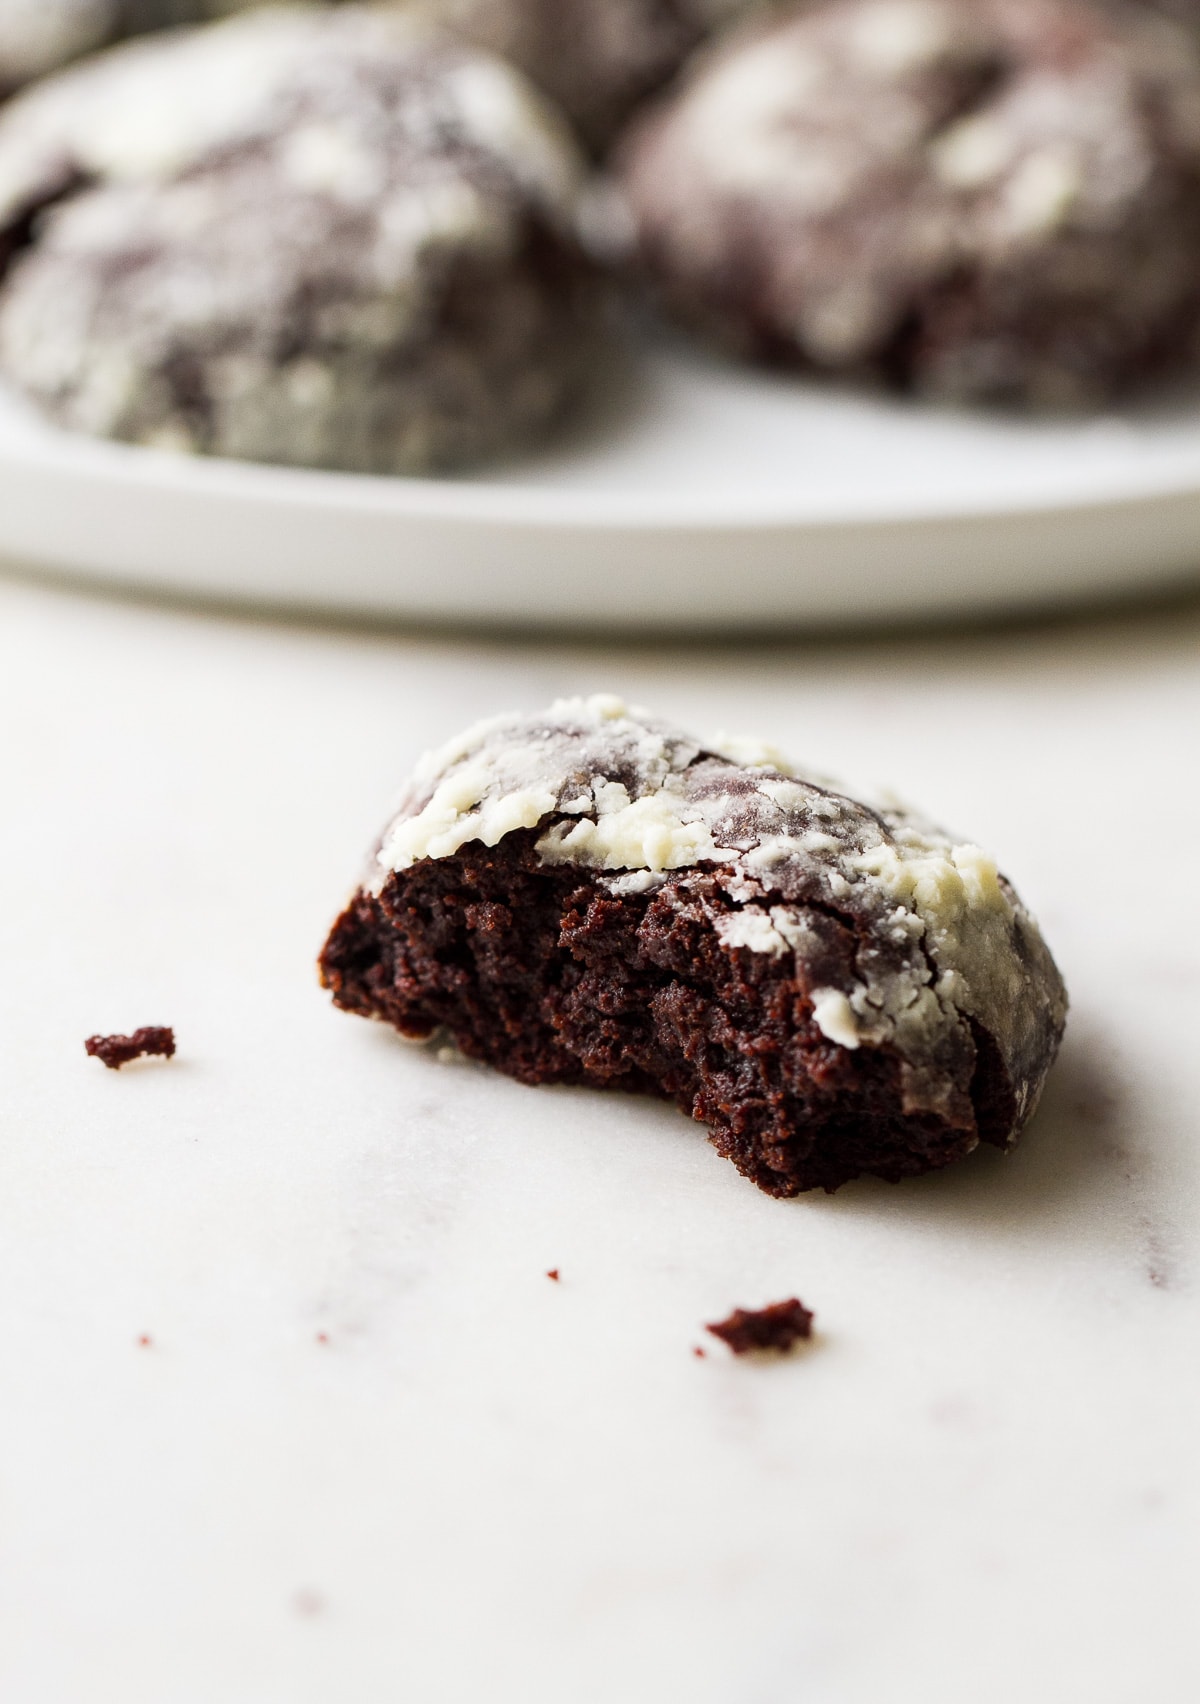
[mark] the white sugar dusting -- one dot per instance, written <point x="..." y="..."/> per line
<point x="834" y="1017"/>
<point x="155" y="106"/>
<point x="609" y="789"/>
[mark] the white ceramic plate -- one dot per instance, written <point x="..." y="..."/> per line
<point x="699" y="496"/>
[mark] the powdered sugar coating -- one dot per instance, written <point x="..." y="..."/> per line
<point x="157" y="106"/>
<point x="331" y="239"/>
<point x="616" y="792"/>
<point x="1019" y="218"/>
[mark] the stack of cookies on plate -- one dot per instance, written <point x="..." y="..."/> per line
<point x="390" y="238"/>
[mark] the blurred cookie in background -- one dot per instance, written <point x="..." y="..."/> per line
<point x="326" y="238"/>
<point x="976" y="199"/>
<point x="37" y="36"/>
<point x="597" y="58"/>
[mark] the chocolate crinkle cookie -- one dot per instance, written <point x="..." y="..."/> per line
<point x="592" y="896"/>
<point x="598" y="58"/>
<point x="329" y="238"/>
<point x="979" y="199"/>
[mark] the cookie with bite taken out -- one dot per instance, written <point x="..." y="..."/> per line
<point x="593" y="896"/>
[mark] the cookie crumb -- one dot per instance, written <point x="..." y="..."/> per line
<point x="700" y="1354"/>
<point x="553" y="1274"/>
<point x="776" y="1327"/>
<point x="322" y="1337"/>
<point x="145" y="1342"/>
<point x="117" y="1050"/>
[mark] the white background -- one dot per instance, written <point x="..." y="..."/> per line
<point x="978" y="1484"/>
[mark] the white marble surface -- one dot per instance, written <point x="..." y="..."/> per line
<point x="978" y="1485"/>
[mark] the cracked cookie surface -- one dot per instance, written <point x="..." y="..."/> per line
<point x="592" y="896"/>
<point x="1018" y="221"/>
<point x="329" y="239"/>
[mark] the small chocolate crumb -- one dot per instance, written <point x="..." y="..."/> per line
<point x="145" y="1342"/>
<point x="700" y="1354"/>
<point x="777" y="1327"/>
<point x="117" y="1050"/>
<point x="553" y="1273"/>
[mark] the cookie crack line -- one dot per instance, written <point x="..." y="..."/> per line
<point x="832" y="988"/>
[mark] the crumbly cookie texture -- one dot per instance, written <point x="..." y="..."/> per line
<point x="776" y="1328"/>
<point x="598" y="58"/>
<point x="325" y="238"/>
<point x="1017" y="218"/>
<point x="37" y="36"/>
<point x="114" y="1051"/>
<point x="832" y="988"/>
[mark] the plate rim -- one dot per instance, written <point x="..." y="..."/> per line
<point x="52" y="451"/>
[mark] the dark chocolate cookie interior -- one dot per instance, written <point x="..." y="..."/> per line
<point x="550" y="977"/>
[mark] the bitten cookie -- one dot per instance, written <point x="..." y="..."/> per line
<point x="598" y="58"/>
<point x="978" y="199"/>
<point x="592" y="896"/>
<point x="331" y="238"/>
